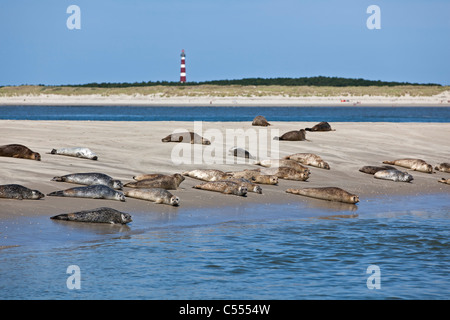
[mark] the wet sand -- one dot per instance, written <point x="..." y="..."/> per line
<point x="126" y="149"/>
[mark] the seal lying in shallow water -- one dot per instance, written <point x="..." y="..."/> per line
<point x="295" y="135"/>
<point x="158" y="195"/>
<point x="226" y="187"/>
<point x="187" y="137"/>
<point x="260" y="121"/>
<point x="443" y="167"/>
<point x="309" y="159"/>
<point x="95" y="192"/>
<point x="16" y="191"/>
<point x="375" y="169"/>
<point x="254" y="176"/>
<point x="92" y="178"/>
<point x="394" y="175"/>
<point x="414" y="164"/>
<point x="321" y="126"/>
<point x="18" y="151"/>
<point x="157" y="181"/>
<point x="443" y="180"/>
<point x="206" y="174"/>
<point x="78" y="152"/>
<point x="99" y="215"/>
<point x="327" y="193"/>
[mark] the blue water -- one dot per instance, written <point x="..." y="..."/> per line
<point x="307" y="114"/>
<point x="292" y="251"/>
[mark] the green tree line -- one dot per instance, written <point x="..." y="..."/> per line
<point x="305" y="81"/>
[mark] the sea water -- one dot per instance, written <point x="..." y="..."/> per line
<point x="289" y="251"/>
<point x="306" y="114"/>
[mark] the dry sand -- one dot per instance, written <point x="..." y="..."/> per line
<point x="442" y="99"/>
<point x="129" y="148"/>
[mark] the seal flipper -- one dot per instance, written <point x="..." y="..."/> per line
<point x="63" y="216"/>
<point x="56" y="194"/>
<point x="60" y="179"/>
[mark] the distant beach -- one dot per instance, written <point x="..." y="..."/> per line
<point x="209" y="95"/>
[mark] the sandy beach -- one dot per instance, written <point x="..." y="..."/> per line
<point x="442" y="99"/>
<point x="125" y="149"/>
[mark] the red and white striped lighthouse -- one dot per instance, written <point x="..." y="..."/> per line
<point x="183" y="67"/>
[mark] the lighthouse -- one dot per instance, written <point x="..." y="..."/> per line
<point x="183" y="67"/>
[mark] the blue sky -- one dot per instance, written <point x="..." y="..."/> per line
<point x="141" y="40"/>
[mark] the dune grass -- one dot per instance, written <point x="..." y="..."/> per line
<point x="227" y="91"/>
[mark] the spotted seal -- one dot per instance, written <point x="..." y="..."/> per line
<point x="206" y="174"/>
<point x="254" y="175"/>
<point x="186" y="137"/>
<point x="94" y="191"/>
<point x="99" y="215"/>
<point x="252" y="187"/>
<point x="260" y="121"/>
<point x="295" y="135"/>
<point x="91" y="178"/>
<point x="239" y="152"/>
<point x="321" y="126"/>
<point x="443" y="167"/>
<point x="394" y="175"/>
<point x="414" y="164"/>
<point x="309" y="159"/>
<point x="226" y="187"/>
<point x="282" y="163"/>
<point x="286" y="173"/>
<point x="158" y="195"/>
<point x="19" y="151"/>
<point x="17" y="191"/>
<point x="374" y="169"/>
<point x="78" y="152"/>
<point x="157" y="181"/>
<point x="327" y="193"/>
<point x="443" y="180"/>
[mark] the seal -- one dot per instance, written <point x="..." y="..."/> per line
<point x="443" y="167"/>
<point x="99" y="215"/>
<point x="95" y="192"/>
<point x="176" y="176"/>
<point x="321" y="126"/>
<point x="252" y="187"/>
<point x="327" y="193"/>
<point x="226" y="187"/>
<point x="187" y="137"/>
<point x="19" y="151"/>
<point x="374" y="169"/>
<point x="294" y="135"/>
<point x="282" y="163"/>
<point x="309" y="159"/>
<point x="92" y="178"/>
<point x="260" y="121"/>
<point x="158" y="195"/>
<point x="239" y="152"/>
<point x="78" y="152"/>
<point x="19" y="192"/>
<point x="168" y="182"/>
<point x="254" y="175"/>
<point x="443" y="180"/>
<point x="286" y="173"/>
<point x="414" y="164"/>
<point x="206" y="174"/>
<point x="394" y="175"/>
